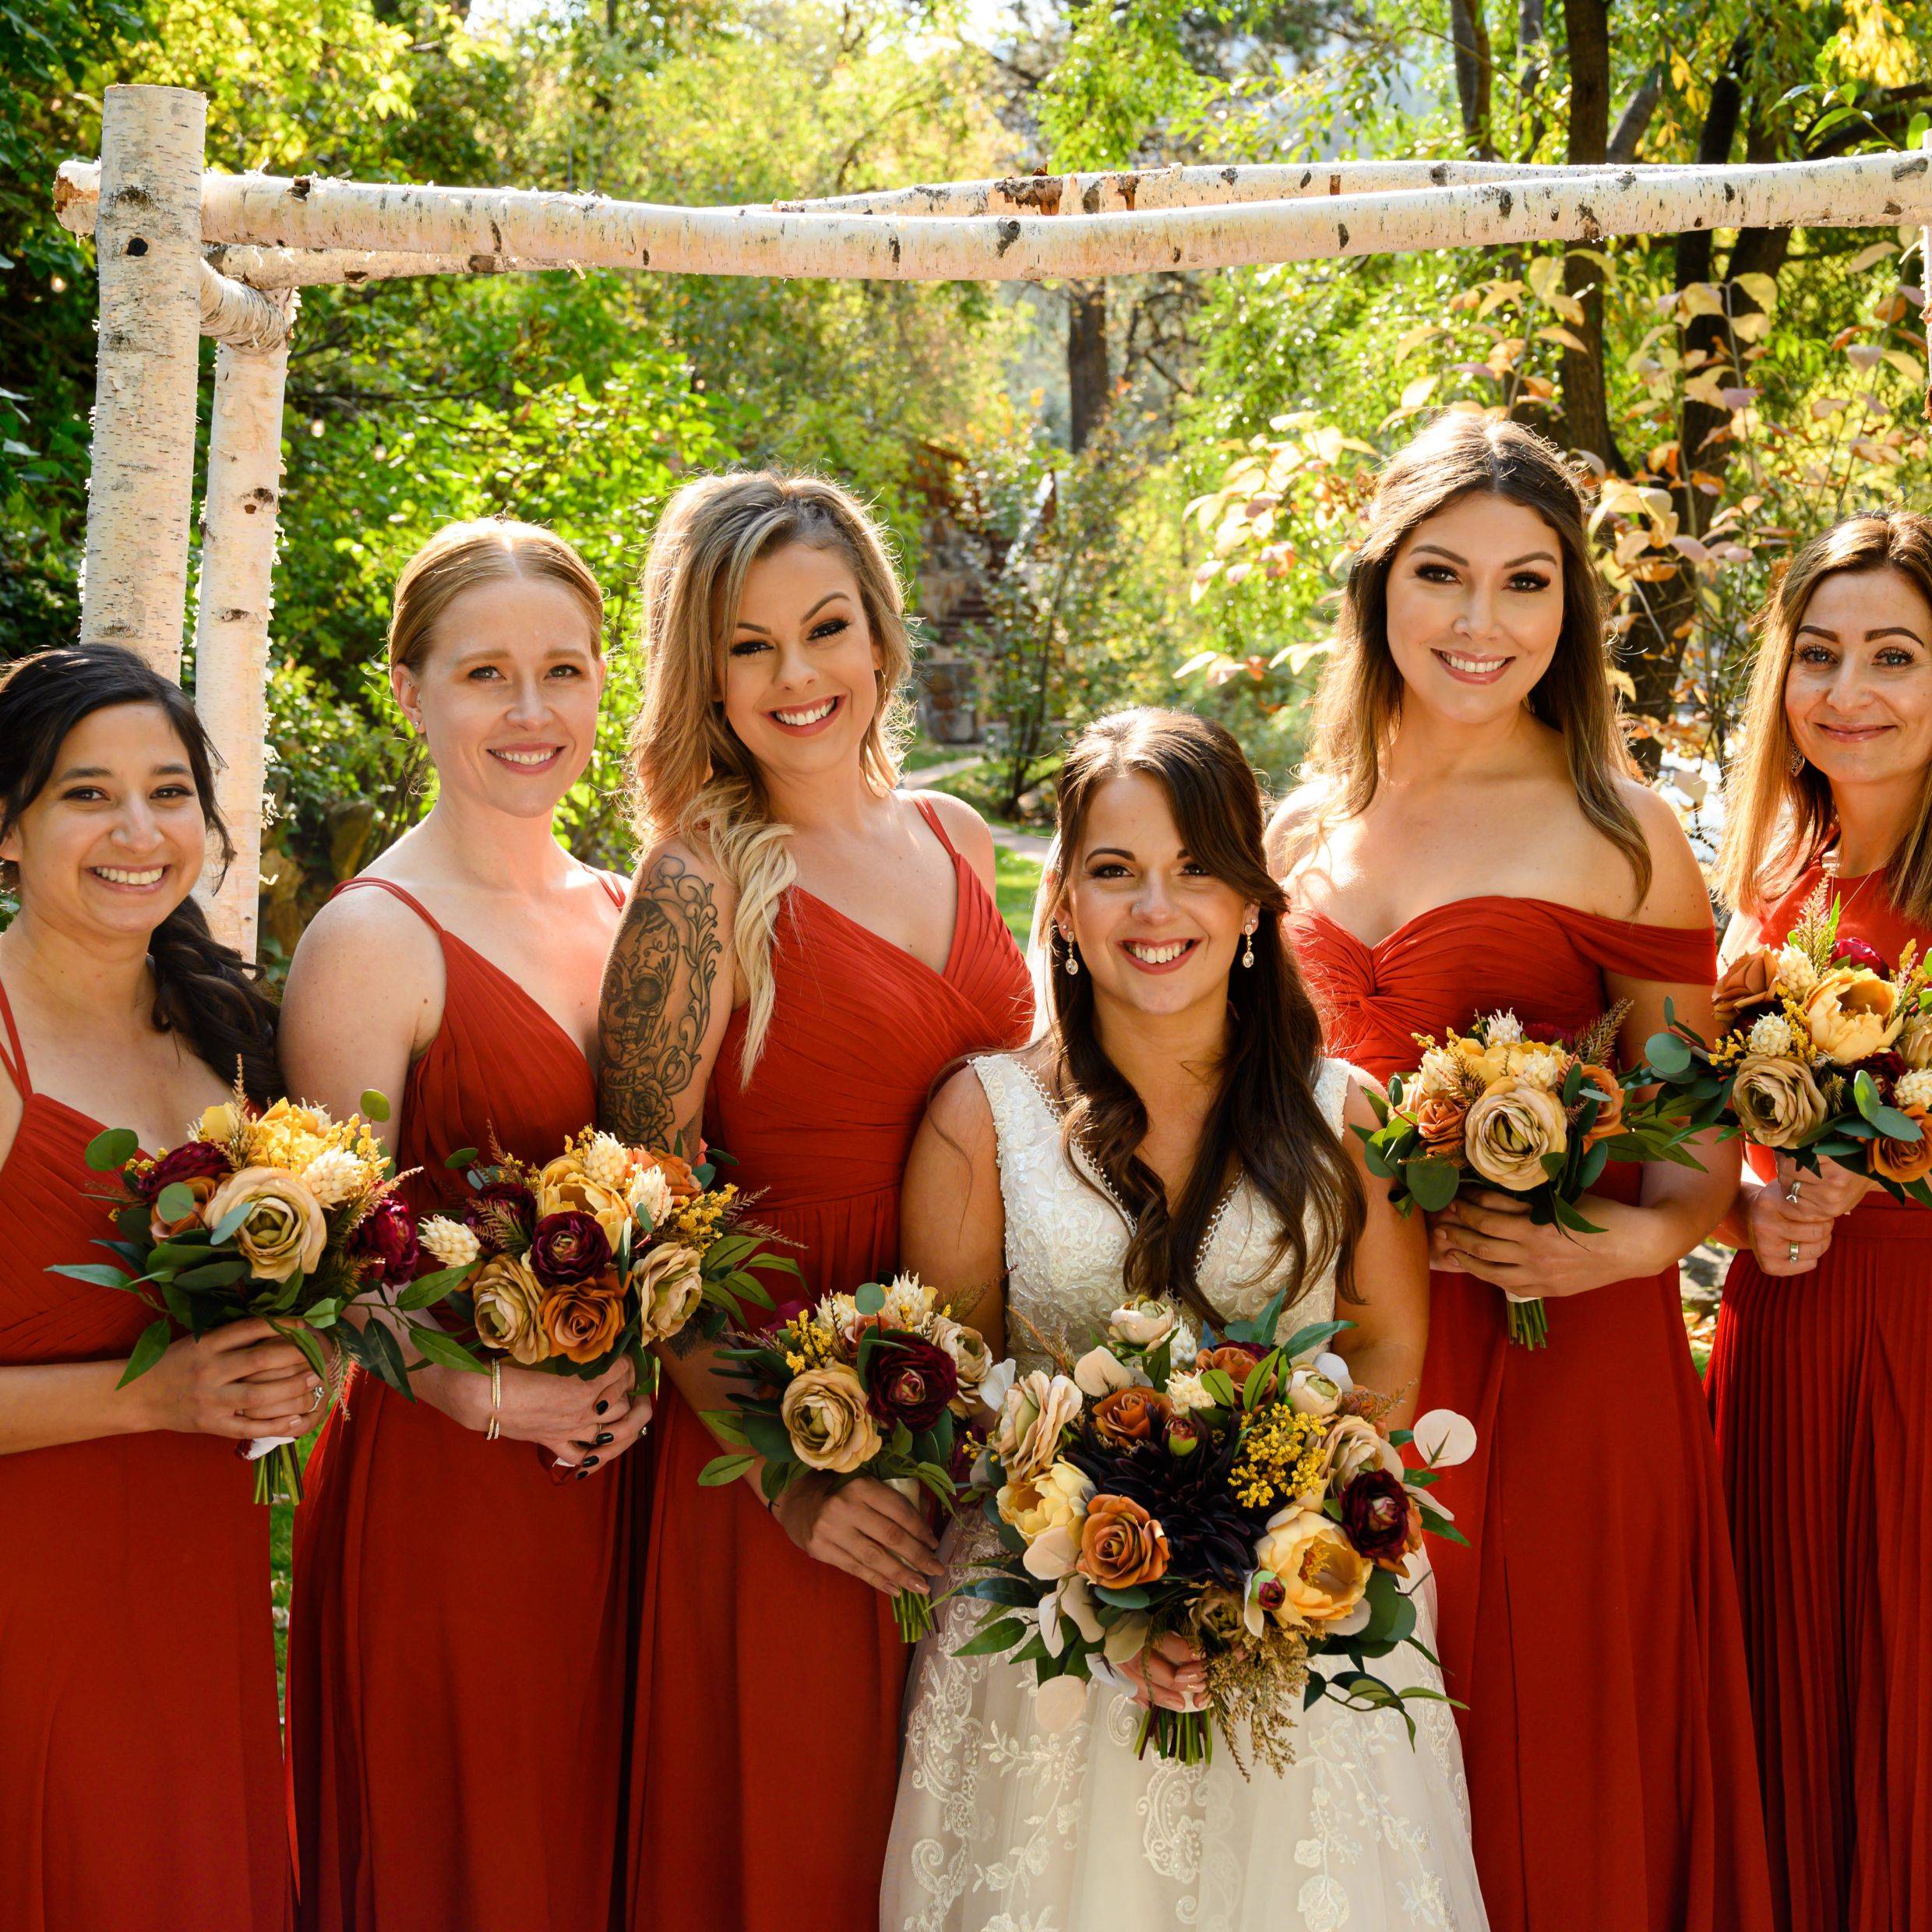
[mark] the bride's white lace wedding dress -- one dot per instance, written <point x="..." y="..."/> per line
<point x="1002" y="1826"/>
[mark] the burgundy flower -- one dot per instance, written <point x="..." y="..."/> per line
<point x="1380" y="1518"/>
<point x="1887" y="1069"/>
<point x="969" y="1439"/>
<point x="385" y="1239"/>
<point x="1851" y="952"/>
<point x="568" y="1248"/>
<point x="910" y="1381"/>
<point x="192" y="1161"/>
<point x="500" y="1214"/>
<point x="1542" y="1033"/>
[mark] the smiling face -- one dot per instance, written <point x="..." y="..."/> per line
<point x="1156" y="931"/>
<point x="1475" y="605"/>
<point x="506" y="695"/>
<point x="1858" y="695"/>
<point x="116" y="838"/>
<point x="799" y="673"/>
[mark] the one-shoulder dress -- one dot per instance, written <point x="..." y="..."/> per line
<point x="766" y="1737"/>
<point x="458" y="1647"/>
<point x="1592" y="1628"/>
<point x="140" y="1760"/>
<point x="1822" y="1384"/>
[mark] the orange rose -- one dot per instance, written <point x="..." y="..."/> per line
<point x="1905" y="1160"/>
<point x="1609" y="1118"/>
<point x="1120" y="1545"/>
<point x="1237" y="1363"/>
<point x="203" y="1187"/>
<point x="678" y="1174"/>
<point x="1131" y="1414"/>
<point x="1747" y="988"/>
<point x="583" y="1320"/>
<point x="1439" y="1119"/>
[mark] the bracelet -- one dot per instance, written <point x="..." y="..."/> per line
<point x="496" y="1398"/>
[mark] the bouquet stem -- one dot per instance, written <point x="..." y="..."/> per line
<point x="1184" y="1737"/>
<point x="912" y="1609"/>
<point x="278" y="1470"/>
<point x="1528" y="1323"/>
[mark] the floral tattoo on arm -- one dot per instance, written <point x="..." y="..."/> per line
<point x="656" y="1006"/>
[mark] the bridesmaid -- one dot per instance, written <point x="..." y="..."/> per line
<point x="1473" y="839"/>
<point x="456" y="1642"/>
<point x="807" y="949"/>
<point x="1825" y="1334"/>
<point x="138" y="1750"/>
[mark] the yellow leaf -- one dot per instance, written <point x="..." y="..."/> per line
<point x="1567" y="337"/>
<point x="1411" y="339"/>
<point x="1702" y="299"/>
<point x="1753" y="326"/>
<point x="1419" y="392"/>
<point x="1328" y="441"/>
<point x="1497" y="293"/>
<point x="1762" y="289"/>
<point x="1545" y="276"/>
<point x="1869" y="258"/>
<point x="1622" y="681"/>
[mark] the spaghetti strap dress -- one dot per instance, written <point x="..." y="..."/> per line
<point x="457" y="1631"/>
<point x="140" y="1754"/>
<point x="1591" y="1627"/>
<point x="766" y="1729"/>
<point x="1821" y="1387"/>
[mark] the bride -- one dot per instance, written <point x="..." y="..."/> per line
<point x="1176" y="1131"/>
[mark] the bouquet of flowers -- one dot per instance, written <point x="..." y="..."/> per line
<point x="286" y="1214"/>
<point x="1252" y="1502"/>
<point x="1541" y="1117"/>
<point x="880" y="1383"/>
<point x="1823" y="1052"/>
<point x="598" y="1253"/>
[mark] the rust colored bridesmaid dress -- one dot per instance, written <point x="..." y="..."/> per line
<point x="457" y="1638"/>
<point x="767" y="1734"/>
<point x="140" y="1766"/>
<point x="1822" y="1384"/>
<point x="1592" y="1628"/>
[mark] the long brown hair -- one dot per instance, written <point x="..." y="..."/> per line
<point x="1359" y="703"/>
<point x="1266" y="1121"/>
<point x="1778" y="821"/>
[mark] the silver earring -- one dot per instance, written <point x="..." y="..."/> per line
<point x="1073" y="960"/>
<point x="1795" y="763"/>
<point x="1247" y="958"/>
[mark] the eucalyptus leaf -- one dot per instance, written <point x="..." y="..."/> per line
<point x="112" y="1147"/>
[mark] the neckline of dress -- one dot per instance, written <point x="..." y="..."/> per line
<point x="965" y="878"/>
<point x="558" y="1030"/>
<point x="1482" y="898"/>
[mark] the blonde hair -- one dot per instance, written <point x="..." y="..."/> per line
<point x="489" y="550"/>
<point x="1777" y="822"/>
<point x="1359" y="701"/>
<point x="694" y="778"/>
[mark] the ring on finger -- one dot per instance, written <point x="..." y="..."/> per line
<point x="1791" y="1252"/>
<point x="315" y="1399"/>
<point x="1797" y="1181"/>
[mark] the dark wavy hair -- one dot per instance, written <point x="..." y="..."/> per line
<point x="1267" y="1123"/>
<point x="203" y="990"/>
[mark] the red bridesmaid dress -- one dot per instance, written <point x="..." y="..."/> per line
<point x="766" y="1737"/>
<point x="1591" y="1629"/>
<point x="458" y="1633"/>
<point x="1822" y="1384"/>
<point x="140" y="1766"/>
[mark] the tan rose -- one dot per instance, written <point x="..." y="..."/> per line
<point x="966" y="1348"/>
<point x="1131" y="1414"/>
<point x="1440" y="1118"/>
<point x="1777" y="1101"/>
<point x="1056" y="1501"/>
<point x="824" y="1412"/>
<point x="1026" y="1437"/>
<point x="507" y="1305"/>
<point x="283" y="1233"/>
<point x="1749" y="987"/>
<point x="1915" y="1040"/>
<point x="1322" y="1573"/>
<point x="1610" y="1092"/>
<point x="1905" y="1160"/>
<point x="670" y="1283"/>
<point x="564" y="1188"/>
<point x="585" y="1320"/>
<point x="1120" y="1545"/>
<point x="1852" y="1014"/>
<point x="1353" y="1444"/>
<point x="1509" y="1129"/>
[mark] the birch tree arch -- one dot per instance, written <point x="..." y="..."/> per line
<point x="185" y="253"/>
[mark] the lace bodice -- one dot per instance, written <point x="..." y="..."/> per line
<point x="1067" y="1239"/>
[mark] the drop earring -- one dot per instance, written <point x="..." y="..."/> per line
<point x="1247" y="957"/>
<point x="1794" y="763"/>
<point x="1073" y="958"/>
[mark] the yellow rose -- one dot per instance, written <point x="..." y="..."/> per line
<point x="1056" y="1501"/>
<point x="670" y="1282"/>
<point x="283" y="1233"/>
<point x="219" y="1123"/>
<point x="509" y="1299"/>
<point x="824" y="1412"/>
<point x="1026" y="1437"/>
<point x="1852" y="1014"/>
<point x="1321" y="1572"/>
<point x="1777" y="1101"/>
<point x="564" y="1188"/>
<point x="1510" y="1129"/>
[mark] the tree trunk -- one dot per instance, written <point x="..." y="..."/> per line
<point x="1089" y="379"/>
<point x="1469" y="31"/>
<point x="1530" y="50"/>
<point x="1586" y="415"/>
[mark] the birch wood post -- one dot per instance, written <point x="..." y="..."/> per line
<point x="235" y="596"/>
<point x="147" y="242"/>
<point x="1925" y="281"/>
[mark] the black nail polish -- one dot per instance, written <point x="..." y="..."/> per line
<point x="601" y="1407"/>
<point x="579" y="1475"/>
<point x="604" y="1436"/>
<point x="590" y="1462"/>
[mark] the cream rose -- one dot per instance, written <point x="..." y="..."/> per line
<point x="1354" y="1444"/>
<point x="1321" y="1572"/>
<point x="564" y="1188"/>
<point x="670" y="1283"/>
<point x="1778" y="1101"/>
<point x="1056" y="1501"/>
<point x="824" y="1412"/>
<point x="1510" y="1129"/>
<point x="507" y="1304"/>
<point x="1026" y="1437"/>
<point x="1144" y="1324"/>
<point x="1915" y="1042"/>
<point x="283" y="1233"/>
<point x="966" y="1349"/>
<point x="1852" y="1014"/>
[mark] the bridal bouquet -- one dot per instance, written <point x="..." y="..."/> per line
<point x="1245" y="1497"/>
<point x="1541" y="1117"/>
<point x="599" y="1254"/>
<point x="880" y="1383"/>
<point x="286" y="1214"/>
<point x="1823" y="1052"/>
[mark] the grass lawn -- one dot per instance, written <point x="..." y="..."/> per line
<point x="1017" y="880"/>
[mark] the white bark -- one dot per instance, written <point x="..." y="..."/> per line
<point x="241" y="316"/>
<point x="147" y="239"/>
<point x="1925" y="283"/>
<point x="236" y="595"/>
<point x="548" y="230"/>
